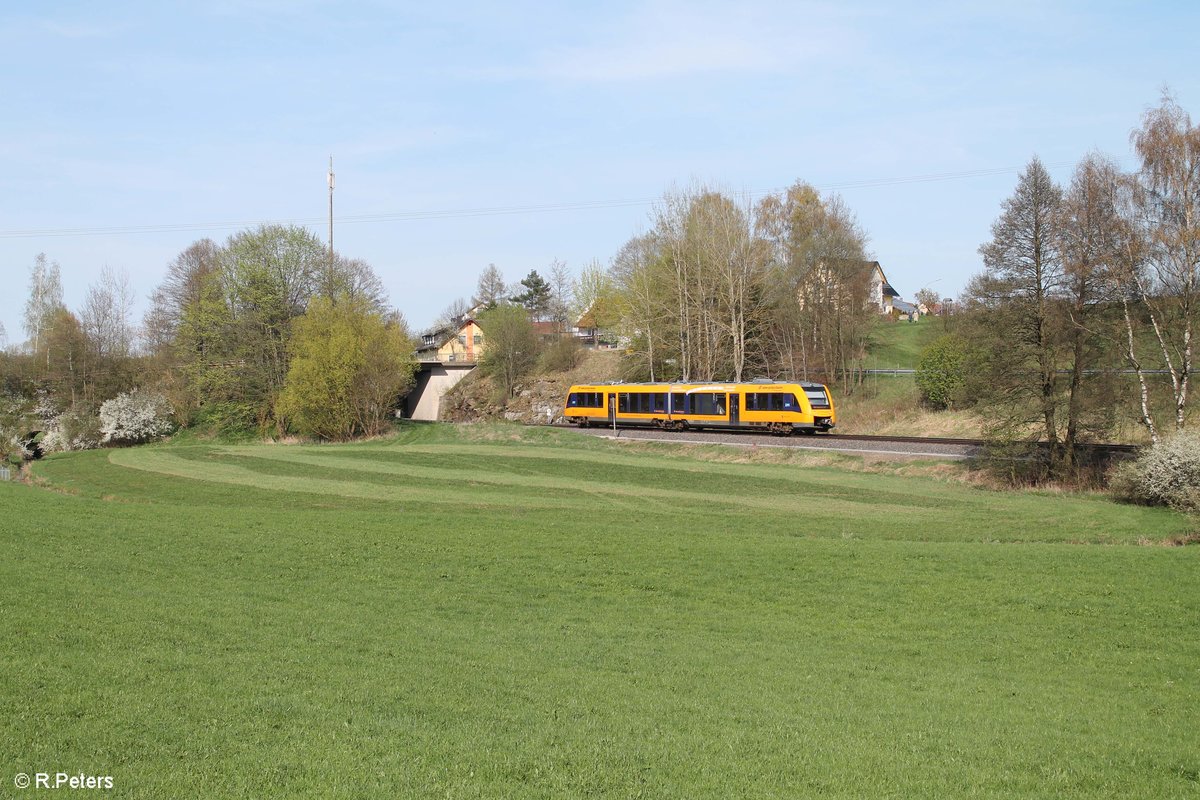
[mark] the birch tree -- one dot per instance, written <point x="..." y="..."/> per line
<point x="1166" y="200"/>
<point x="45" y="300"/>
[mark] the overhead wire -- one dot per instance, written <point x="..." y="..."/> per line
<point x="464" y="213"/>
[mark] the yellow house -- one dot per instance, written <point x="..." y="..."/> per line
<point x="461" y="343"/>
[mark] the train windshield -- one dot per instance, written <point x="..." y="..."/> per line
<point x="816" y="396"/>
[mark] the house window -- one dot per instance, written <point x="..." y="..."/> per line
<point x="462" y="338"/>
<point x="478" y="339"/>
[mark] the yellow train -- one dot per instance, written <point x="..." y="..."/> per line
<point x="782" y="408"/>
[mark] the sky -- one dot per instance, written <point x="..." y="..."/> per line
<point x="517" y="134"/>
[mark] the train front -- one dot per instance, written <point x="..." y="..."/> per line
<point x="821" y="403"/>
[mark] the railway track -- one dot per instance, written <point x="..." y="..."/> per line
<point x="859" y="444"/>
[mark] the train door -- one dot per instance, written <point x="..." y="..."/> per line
<point x="612" y="410"/>
<point x="734" y="407"/>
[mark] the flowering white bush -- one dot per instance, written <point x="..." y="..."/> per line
<point x="135" y="416"/>
<point x="72" y="431"/>
<point x="15" y="423"/>
<point x="1167" y="474"/>
<point x="12" y="448"/>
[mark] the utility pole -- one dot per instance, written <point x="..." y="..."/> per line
<point x="331" y="211"/>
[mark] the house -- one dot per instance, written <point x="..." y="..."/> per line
<point x="902" y="309"/>
<point x="461" y="342"/>
<point x="591" y="327"/>
<point x="879" y="291"/>
<point x="548" y="330"/>
<point x="838" y="273"/>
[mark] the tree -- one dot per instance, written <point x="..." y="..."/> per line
<point x="452" y="316"/>
<point x="512" y="346"/>
<point x="537" y="295"/>
<point x="639" y="274"/>
<point x="929" y="298"/>
<point x="941" y="372"/>
<point x="1089" y="230"/>
<point x="1023" y="274"/>
<point x="1166" y="208"/>
<point x="491" y="289"/>
<point x="45" y="299"/>
<point x="106" y="313"/>
<point x="354" y="279"/>
<point x="181" y="290"/>
<point x="595" y="300"/>
<point x="350" y="366"/>
<point x="818" y="286"/>
<point x="561" y="295"/>
<point x="68" y="361"/>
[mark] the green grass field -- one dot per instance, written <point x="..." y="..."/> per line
<point x="898" y="345"/>
<point x="495" y="612"/>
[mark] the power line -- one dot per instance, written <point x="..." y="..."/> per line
<point x="465" y="213"/>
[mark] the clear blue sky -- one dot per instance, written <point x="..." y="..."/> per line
<point x="194" y="119"/>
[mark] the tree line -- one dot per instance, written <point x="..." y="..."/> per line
<point x="722" y="289"/>
<point x="266" y="332"/>
<point x="1089" y="299"/>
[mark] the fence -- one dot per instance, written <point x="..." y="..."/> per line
<point x="5" y="474"/>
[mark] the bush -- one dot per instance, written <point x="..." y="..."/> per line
<point x="16" y="421"/>
<point x="135" y="417"/>
<point x="941" y="373"/>
<point x="72" y="430"/>
<point x="1168" y="474"/>
<point x="562" y="355"/>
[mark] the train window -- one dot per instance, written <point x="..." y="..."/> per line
<point x="585" y="400"/>
<point x="679" y="403"/>
<point x="711" y="404"/>
<point x="659" y="403"/>
<point x="623" y="403"/>
<point x="816" y="396"/>
<point x="772" y="401"/>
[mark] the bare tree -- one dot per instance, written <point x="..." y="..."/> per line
<point x="491" y="289"/>
<point x="819" y="303"/>
<point x="453" y="314"/>
<point x="561" y="287"/>
<point x="182" y="289"/>
<point x="637" y="271"/>
<point x="352" y="279"/>
<point x="106" y="315"/>
<point x="1166" y="199"/>
<point x="45" y="300"/>
<point x="1089" y="228"/>
<point x="595" y="303"/>
<point x="927" y="297"/>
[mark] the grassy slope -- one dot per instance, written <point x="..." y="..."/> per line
<point x="898" y="345"/>
<point x="473" y="616"/>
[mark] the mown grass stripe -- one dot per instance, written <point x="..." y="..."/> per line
<point x="566" y="485"/>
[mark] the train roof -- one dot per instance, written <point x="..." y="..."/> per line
<point x="714" y="384"/>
